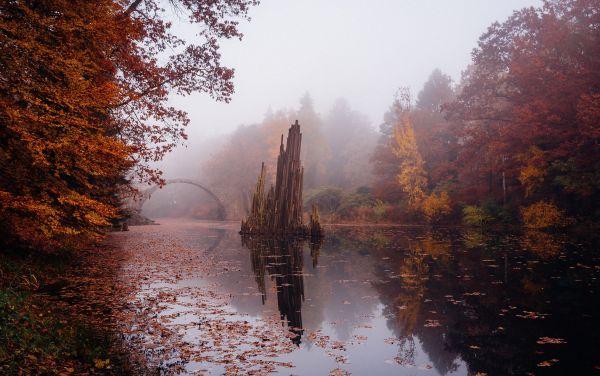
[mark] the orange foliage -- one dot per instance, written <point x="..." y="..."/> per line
<point x="59" y="161"/>
<point x="83" y="99"/>
<point x="542" y="214"/>
<point x="534" y="171"/>
<point x="436" y="206"/>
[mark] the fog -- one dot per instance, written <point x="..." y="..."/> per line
<point x="357" y="50"/>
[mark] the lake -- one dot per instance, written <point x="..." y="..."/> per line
<point x="376" y="300"/>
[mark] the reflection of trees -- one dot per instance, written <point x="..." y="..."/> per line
<point x="484" y="299"/>
<point x="541" y="243"/>
<point x="447" y="295"/>
<point x="405" y="292"/>
<point x="282" y="260"/>
<point x="411" y="270"/>
<point x="474" y="237"/>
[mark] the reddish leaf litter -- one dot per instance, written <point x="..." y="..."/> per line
<point x="550" y="340"/>
<point x="150" y="289"/>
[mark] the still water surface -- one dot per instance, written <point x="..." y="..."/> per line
<point x="412" y="300"/>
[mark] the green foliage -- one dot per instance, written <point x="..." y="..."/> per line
<point x="475" y="216"/>
<point x="498" y="212"/>
<point x="39" y="336"/>
<point x="381" y="209"/>
<point x="569" y="178"/>
<point x="356" y="200"/>
<point x="31" y="338"/>
<point x="327" y="199"/>
<point x="489" y="211"/>
<point x="359" y="205"/>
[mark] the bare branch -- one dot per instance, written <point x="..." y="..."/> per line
<point x="130" y="9"/>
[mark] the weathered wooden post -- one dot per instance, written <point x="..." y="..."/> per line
<point x="279" y="211"/>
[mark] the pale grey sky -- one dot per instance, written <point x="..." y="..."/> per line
<point x="360" y="50"/>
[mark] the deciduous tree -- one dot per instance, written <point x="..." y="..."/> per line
<point x="531" y="103"/>
<point x="84" y="89"/>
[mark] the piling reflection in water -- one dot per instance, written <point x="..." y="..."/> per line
<point x="282" y="261"/>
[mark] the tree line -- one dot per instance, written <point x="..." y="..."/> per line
<point x="519" y="136"/>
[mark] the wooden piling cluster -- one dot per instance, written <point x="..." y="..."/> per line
<point x="279" y="211"/>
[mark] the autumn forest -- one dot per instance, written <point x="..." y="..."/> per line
<point x="454" y="231"/>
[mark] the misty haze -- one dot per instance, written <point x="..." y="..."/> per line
<point x="246" y="187"/>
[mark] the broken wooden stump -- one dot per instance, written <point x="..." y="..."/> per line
<point x="278" y="212"/>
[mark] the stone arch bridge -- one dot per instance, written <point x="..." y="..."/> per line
<point x="137" y="204"/>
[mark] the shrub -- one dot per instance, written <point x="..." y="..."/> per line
<point x="542" y="214"/>
<point x="435" y="207"/>
<point x="475" y="216"/>
<point x="327" y="199"/>
<point x="498" y="212"/>
<point x="355" y="200"/>
<point x="381" y="209"/>
<point x="359" y="213"/>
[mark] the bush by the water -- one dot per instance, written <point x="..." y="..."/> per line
<point x="327" y="199"/>
<point x="475" y="216"/>
<point x="489" y="212"/>
<point x="358" y="205"/>
<point x="543" y="214"/>
<point x="436" y="207"/>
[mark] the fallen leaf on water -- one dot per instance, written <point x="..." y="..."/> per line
<point x="547" y="363"/>
<point x="432" y="323"/>
<point x="339" y="372"/>
<point x="532" y="315"/>
<point x="550" y="340"/>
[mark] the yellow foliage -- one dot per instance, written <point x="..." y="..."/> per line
<point x="436" y="206"/>
<point x="412" y="178"/>
<point x="533" y="173"/>
<point x="542" y="214"/>
<point x="100" y="363"/>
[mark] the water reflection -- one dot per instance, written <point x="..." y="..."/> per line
<point x="452" y="302"/>
<point x="282" y="261"/>
<point x="412" y="313"/>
